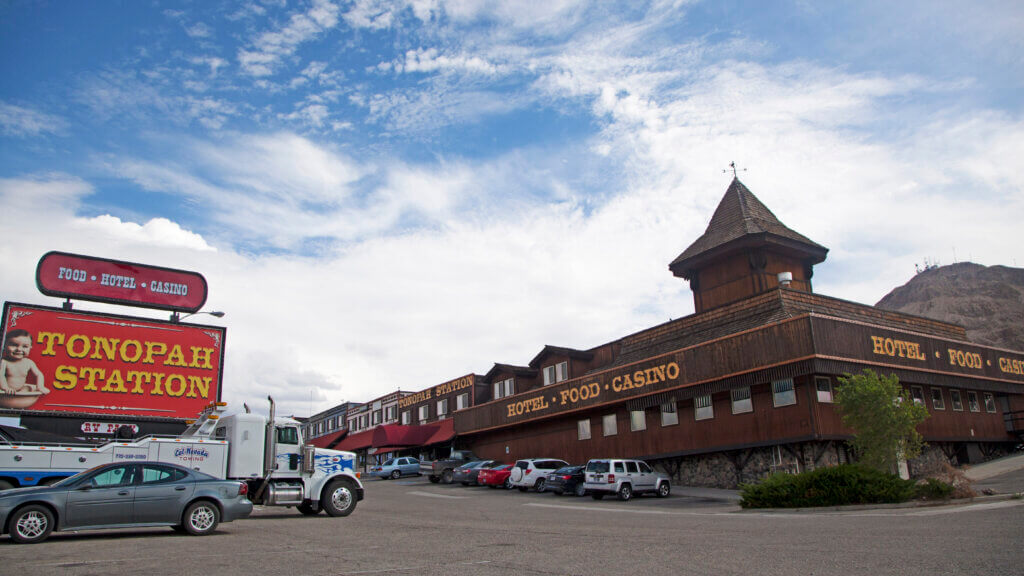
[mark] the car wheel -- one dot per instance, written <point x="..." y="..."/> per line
<point x="580" y="490"/>
<point x="339" y="498"/>
<point x="625" y="492"/>
<point x="446" y="477"/>
<point x="30" y="524"/>
<point x="200" y="518"/>
<point x="597" y="496"/>
<point x="664" y="489"/>
<point x="539" y="486"/>
<point x="307" y="508"/>
<point x="507" y="485"/>
<point x="396" y="474"/>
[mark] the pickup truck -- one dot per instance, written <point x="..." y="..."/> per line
<point x="442" y="470"/>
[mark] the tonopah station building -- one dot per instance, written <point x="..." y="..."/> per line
<point x="744" y="386"/>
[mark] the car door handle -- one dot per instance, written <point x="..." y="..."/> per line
<point x="123" y="493"/>
<point x="179" y="488"/>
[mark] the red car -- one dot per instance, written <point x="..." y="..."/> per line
<point x="495" y="477"/>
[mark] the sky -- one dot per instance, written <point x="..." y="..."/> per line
<point x="388" y="195"/>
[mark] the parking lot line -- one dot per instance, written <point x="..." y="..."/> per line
<point x="432" y="495"/>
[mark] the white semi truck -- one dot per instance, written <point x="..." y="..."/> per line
<point x="268" y="454"/>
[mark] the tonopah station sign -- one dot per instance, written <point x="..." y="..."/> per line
<point x="101" y="280"/>
<point x="69" y="361"/>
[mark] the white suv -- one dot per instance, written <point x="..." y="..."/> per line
<point x="623" y="478"/>
<point x="533" y="472"/>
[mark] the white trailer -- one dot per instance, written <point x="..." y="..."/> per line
<point x="266" y="453"/>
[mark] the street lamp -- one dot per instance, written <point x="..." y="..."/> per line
<point x="176" y="318"/>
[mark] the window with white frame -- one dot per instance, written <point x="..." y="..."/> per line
<point x="669" y="416"/>
<point x="783" y="393"/>
<point x="823" y="386"/>
<point x="637" y="420"/>
<point x="561" y="371"/>
<point x="937" y="402"/>
<point x="954" y="400"/>
<point x="442" y="408"/>
<point x="497" y="391"/>
<point x="741" y="401"/>
<point x="390" y="412"/>
<point x="990" y="403"/>
<point x="549" y="375"/>
<point x="406" y="417"/>
<point x="424" y="412"/>
<point x="376" y="417"/>
<point x="703" y="408"/>
<point x="583" y="429"/>
<point x="917" y="393"/>
<point x="510" y="387"/>
<point x="608" y="425"/>
<point x="462" y="401"/>
<point x="972" y="401"/>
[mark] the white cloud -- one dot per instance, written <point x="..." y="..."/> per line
<point x="24" y="122"/>
<point x="270" y="47"/>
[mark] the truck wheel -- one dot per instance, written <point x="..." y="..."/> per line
<point x="339" y="498"/>
<point x="446" y="476"/>
<point x="30" y="524"/>
<point x="625" y="492"/>
<point x="307" y="508"/>
<point x="200" y="518"/>
<point x="5" y="485"/>
<point x="434" y="479"/>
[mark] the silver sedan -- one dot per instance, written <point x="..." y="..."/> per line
<point x="124" y="495"/>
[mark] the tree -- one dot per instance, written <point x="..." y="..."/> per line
<point x="884" y="419"/>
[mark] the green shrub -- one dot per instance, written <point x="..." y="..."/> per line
<point x="933" y="489"/>
<point x="832" y="486"/>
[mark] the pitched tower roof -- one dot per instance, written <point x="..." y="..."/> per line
<point x="742" y="221"/>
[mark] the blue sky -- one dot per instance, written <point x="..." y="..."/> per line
<point x="389" y="195"/>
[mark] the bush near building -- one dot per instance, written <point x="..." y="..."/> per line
<point x="832" y="486"/>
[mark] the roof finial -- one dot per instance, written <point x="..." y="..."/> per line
<point x="733" y="166"/>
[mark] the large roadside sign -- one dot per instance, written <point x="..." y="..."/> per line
<point x="90" y="363"/>
<point x="102" y="280"/>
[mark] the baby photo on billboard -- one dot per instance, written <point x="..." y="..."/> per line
<point x="21" y="381"/>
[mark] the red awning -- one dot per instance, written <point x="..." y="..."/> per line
<point x="445" y="432"/>
<point x="357" y="441"/>
<point x="327" y="439"/>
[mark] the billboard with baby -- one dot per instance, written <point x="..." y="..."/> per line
<point x="69" y="361"/>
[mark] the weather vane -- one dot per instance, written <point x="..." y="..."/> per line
<point x="733" y="166"/>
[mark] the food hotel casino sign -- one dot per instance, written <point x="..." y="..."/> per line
<point x="100" y="280"/>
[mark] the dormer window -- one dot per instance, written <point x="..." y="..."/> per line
<point x="556" y="373"/>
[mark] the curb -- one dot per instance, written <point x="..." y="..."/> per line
<point x="896" y="506"/>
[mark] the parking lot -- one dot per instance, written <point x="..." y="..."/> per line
<point x="411" y="526"/>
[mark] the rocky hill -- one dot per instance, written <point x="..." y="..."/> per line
<point x="987" y="301"/>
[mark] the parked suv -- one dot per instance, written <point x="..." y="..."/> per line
<point x="533" y="473"/>
<point x="624" y="478"/>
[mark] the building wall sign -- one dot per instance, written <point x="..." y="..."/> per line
<point x="437" y="391"/>
<point x="107" y="427"/>
<point x="101" y="280"/>
<point x="69" y="361"/>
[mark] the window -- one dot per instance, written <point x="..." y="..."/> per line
<point x="637" y="420"/>
<point x="741" y="400"/>
<point x="424" y="412"/>
<point x="618" y="468"/>
<point x="990" y="403"/>
<point x="583" y="429"/>
<point x="510" y="387"/>
<point x="561" y="371"/>
<point x="823" y="386"/>
<point x="159" y="474"/>
<point x="972" y="402"/>
<point x="669" y="416"/>
<point x="631" y="467"/>
<point x="917" y="393"/>
<point x="954" y="399"/>
<point x="376" y="417"/>
<point x="703" y="409"/>
<point x="288" y="435"/>
<point x="783" y="393"/>
<point x="406" y="417"/>
<point x="549" y="375"/>
<point x="390" y="412"/>
<point x="363" y="421"/>
<point x="462" y="401"/>
<point x="504" y="388"/>
<point x="644" y="468"/>
<point x="497" y="391"/>
<point x="120" y="476"/>
<point x="937" y="402"/>
<point x="442" y="407"/>
<point x="608" y="425"/>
